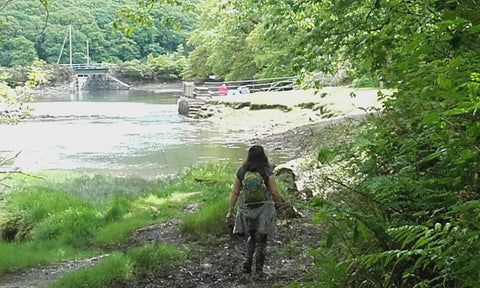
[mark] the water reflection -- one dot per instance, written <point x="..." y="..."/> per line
<point x="138" y="96"/>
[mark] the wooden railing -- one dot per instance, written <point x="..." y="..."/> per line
<point x="252" y="86"/>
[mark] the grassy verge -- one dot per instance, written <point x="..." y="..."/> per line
<point x="209" y="222"/>
<point x="125" y="267"/>
<point x="97" y="189"/>
<point x="76" y="221"/>
<point x="19" y="255"/>
<point x="144" y="211"/>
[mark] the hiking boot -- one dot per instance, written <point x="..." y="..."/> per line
<point x="260" y="275"/>
<point x="259" y="262"/>
<point x="247" y="268"/>
<point x="258" y="269"/>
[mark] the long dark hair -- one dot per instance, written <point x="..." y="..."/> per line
<point x="256" y="160"/>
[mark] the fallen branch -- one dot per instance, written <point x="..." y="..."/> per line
<point x="4" y="185"/>
<point x="14" y="171"/>
<point x="9" y="159"/>
<point x="209" y="181"/>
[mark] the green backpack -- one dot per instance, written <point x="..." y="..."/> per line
<point x="254" y="189"/>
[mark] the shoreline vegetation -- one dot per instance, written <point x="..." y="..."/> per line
<point x="69" y="215"/>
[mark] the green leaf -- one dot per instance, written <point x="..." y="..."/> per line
<point x="474" y="29"/>
<point x="434" y="155"/>
<point x="444" y="82"/>
<point x="466" y="154"/>
<point x="330" y="236"/>
<point x="446" y="37"/>
<point x="431" y="118"/>
<point x="454" y="111"/>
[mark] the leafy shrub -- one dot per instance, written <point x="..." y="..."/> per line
<point x="407" y="214"/>
<point x="24" y="210"/>
<point x="162" y="67"/>
<point x="51" y="74"/>
<point x="131" y="69"/>
<point x="364" y="81"/>
<point x="60" y="74"/>
<point x="411" y="215"/>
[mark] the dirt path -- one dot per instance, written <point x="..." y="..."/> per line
<point x="166" y="232"/>
<point x="47" y="274"/>
<point x="212" y="265"/>
<point x="219" y="265"/>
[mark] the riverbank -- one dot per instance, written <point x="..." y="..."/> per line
<point x="166" y="233"/>
<point x="65" y="91"/>
<point x="256" y="118"/>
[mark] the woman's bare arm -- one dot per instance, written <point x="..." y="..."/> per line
<point x="237" y="185"/>
<point x="273" y="190"/>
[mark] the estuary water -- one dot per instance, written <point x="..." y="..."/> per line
<point x="121" y="132"/>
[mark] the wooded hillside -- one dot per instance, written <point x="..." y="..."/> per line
<point x="29" y="31"/>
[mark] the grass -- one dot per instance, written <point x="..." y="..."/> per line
<point x="97" y="189"/>
<point x="55" y="210"/>
<point x="25" y="209"/>
<point x="209" y="222"/>
<point x="155" y="258"/>
<point x="41" y="223"/>
<point x="119" y="232"/>
<point x="145" y="211"/>
<point x="16" y="256"/>
<point x="114" y="269"/>
<point x="118" y="267"/>
<point x="74" y="227"/>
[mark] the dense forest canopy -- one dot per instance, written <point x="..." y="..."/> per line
<point x="29" y="32"/>
<point x="230" y="42"/>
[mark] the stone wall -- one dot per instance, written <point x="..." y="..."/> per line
<point x="103" y="82"/>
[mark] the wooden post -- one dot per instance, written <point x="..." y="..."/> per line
<point x="188" y="88"/>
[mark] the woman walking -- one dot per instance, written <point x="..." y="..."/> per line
<point x="255" y="188"/>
